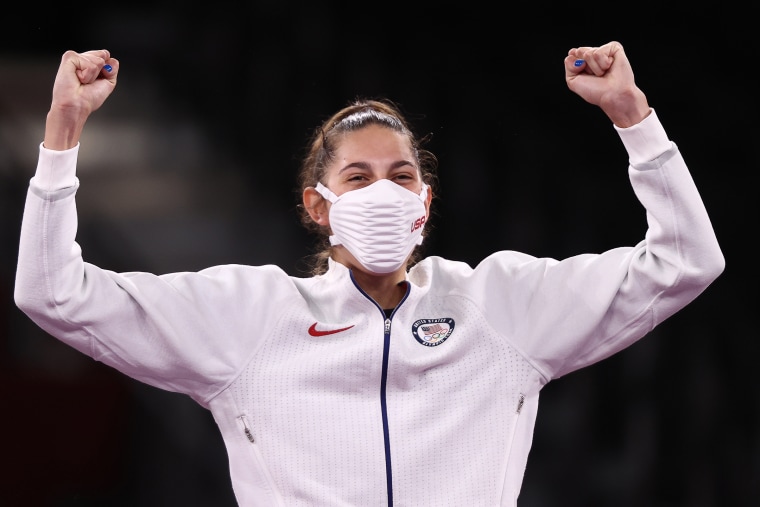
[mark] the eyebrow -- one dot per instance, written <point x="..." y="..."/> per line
<point x="366" y="165"/>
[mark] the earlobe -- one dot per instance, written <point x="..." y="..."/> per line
<point x="315" y="206"/>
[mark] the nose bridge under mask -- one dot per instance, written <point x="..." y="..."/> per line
<point x="370" y="189"/>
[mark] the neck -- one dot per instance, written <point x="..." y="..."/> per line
<point x="386" y="290"/>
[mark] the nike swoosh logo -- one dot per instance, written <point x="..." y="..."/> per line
<point x="313" y="331"/>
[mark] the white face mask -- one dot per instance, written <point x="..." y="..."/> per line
<point x="379" y="224"/>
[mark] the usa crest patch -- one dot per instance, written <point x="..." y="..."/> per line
<point x="432" y="332"/>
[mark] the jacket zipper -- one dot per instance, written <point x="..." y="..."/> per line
<point x="384" y="411"/>
<point x="246" y="430"/>
<point x="383" y="383"/>
<point x="245" y="427"/>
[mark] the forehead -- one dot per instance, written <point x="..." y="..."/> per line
<point x="374" y="141"/>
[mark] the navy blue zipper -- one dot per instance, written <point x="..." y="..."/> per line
<point x="383" y="383"/>
<point x="384" y="409"/>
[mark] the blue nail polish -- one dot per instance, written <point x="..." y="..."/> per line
<point x="109" y="68"/>
<point x="579" y="62"/>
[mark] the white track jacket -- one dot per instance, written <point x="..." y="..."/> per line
<point x="321" y="399"/>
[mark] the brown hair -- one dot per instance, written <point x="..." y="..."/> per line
<point x="320" y="152"/>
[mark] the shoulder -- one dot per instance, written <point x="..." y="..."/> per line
<point x="433" y="269"/>
<point x="232" y="277"/>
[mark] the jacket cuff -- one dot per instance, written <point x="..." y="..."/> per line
<point x="646" y="140"/>
<point x="56" y="170"/>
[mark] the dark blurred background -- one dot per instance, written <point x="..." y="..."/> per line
<point x="192" y="162"/>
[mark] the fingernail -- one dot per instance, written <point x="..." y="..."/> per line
<point x="109" y="68"/>
<point x="579" y="62"/>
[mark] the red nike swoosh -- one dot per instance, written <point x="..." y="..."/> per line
<point x="313" y="331"/>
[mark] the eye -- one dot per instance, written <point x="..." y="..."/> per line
<point x="404" y="178"/>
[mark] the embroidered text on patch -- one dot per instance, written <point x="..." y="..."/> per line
<point x="433" y="332"/>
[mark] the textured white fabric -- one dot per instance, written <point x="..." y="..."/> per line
<point x="380" y="224"/>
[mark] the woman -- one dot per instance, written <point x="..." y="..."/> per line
<point x="379" y="379"/>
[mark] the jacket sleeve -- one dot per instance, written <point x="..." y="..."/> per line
<point x="567" y="314"/>
<point x="180" y="332"/>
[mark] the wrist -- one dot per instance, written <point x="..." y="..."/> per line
<point x="628" y="109"/>
<point x="63" y="128"/>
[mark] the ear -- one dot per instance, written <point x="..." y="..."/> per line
<point x="428" y="200"/>
<point x="316" y="206"/>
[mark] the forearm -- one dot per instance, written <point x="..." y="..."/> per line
<point x="682" y="254"/>
<point x="49" y="221"/>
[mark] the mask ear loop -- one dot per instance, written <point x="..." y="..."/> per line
<point x="326" y="192"/>
<point x="330" y="196"/>
<point x="424" y="191"/>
